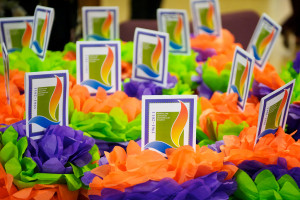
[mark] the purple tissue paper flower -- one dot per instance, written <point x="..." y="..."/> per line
<point x="19" y="126"/>
<point x="216" y="146"/>
<point x="296" y="63"/>
<point x="138" y="89"/>
<point x="204" y="54"/>
<point x="260" y="90"/>
<point x="212" y="186"/>
<point x="293" y="120"/>
<point x="60" y="146"/>
<point x="203" y="90"/>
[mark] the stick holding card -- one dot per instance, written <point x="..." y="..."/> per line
<point x="273" y="110"/>
<point x="6" y="72"/>
<point x="241" y="73"/>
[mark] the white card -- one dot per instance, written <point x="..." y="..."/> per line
<point x="15" y="32"/>
<point x="241" y="73"/>
<point x="46" y="95"/>
<point x="175" y="22"/>
<point x="42" y="26"/>
<point x="168" y="121"/>
<point x="263" y="40"/>
<point x="99" y="65"/>
<point x="150" y="56"/>
<point x="273" y="110"/>
<point x="100" y="23"/>
<point x="6" y="72"/>
<point x="206" y="17"/>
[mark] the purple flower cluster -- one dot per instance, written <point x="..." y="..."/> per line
<point x="138" y="89"/>
<point x="60" y="147"/>
<point x="204" y="54"/>
<point x="203" y="90"/>
<point x="260" y="90"/>
<point x="293" y="120"/>
<point x="212" y="186"/>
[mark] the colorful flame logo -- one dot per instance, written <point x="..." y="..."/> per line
<point x="106" y="25"/>
<point x="178" y="30"/>
<point x="53" y="104"/>
<point x="27" y="35"/>
<point x="104" y="73"/>
<point x="156" y="55"/>
<point x="264" y="43"/>
<point x="43" y="31"/>
<point x="209" y="16"/>
<point x="106" y="66"/>
<point x="243" y="78"/>
<point x="282" y="104"/>
<point x="179" y="124"/>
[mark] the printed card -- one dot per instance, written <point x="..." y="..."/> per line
<point x="168" y="121"/>
<point x="263" y="40"/>
<point x="6" y="72"/>
<point x="100" y="23"/>
<point x="150" y="56"/>
<point x="273" y="110"/>
<point x="175" y="22"/>
<point x="206" y="17"/>
<point x="15" y="32"/>
<point x="46" y="95"/>
<point x="241" y="73"/>
<point x="42" y="25"/>
<point x="99" y="65"/>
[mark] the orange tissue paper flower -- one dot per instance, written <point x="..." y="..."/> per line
<point x="135" y="166"/>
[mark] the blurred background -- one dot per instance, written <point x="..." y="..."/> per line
<point x="67" y="23"/>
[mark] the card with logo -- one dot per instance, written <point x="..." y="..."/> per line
<point x="168" y="121"/>
<point x="6" y="72"/>
<point x="206" y="17"/>
<point x="273" y="110"/>
<point x="100" y="23"/>
<point x="175" y="22"/>
<point x="99" y="65"/>
<point x="150" y="56"/>
<point x="263" y="40"/>
<point x="15" y="32"/>
<point x="241" y="73"/>
<point x="42" y="25"/>
<point x="46" y="96"/>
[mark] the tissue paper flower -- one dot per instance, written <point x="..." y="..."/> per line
<point x="37" y="192"/>
<point x="221" y="116"/>
<point x="104" y="103"/>
<point x="13" y="112"/>
<point x="112" y="127"/>
<point x="219" y="44"/>
<point x="137" y="89"/>
<point x="212" y="186"/>
<point x="265" y="186"/>
<point x="26" y="171"/>
<point x="267" y="151"/>
<point x="265" y="81"/>
<point x="135" y="167"/>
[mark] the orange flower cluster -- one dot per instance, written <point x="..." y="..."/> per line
<point x="104" y="103"/>
<point x="137" y="166"/>
<point x="268" y="149"/>
<point x="222" y="107"/>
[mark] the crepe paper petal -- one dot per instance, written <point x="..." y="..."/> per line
<point x="203" y="55"/>
<point x="216" y="146"/>
<point x="126" y="70"/>
<point x="104" y="103"/>
<point x="204" y="91"/>
<point x="212" y="186"/>
<point x="138" y="89"/>
<point x="293" y="120"/>
<point x="205" y="41"/>
<point x="268" y="77"/>
<point x="260" y="90"/>
<point x="221" y="116"/>
<point x="182" y="164"/>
